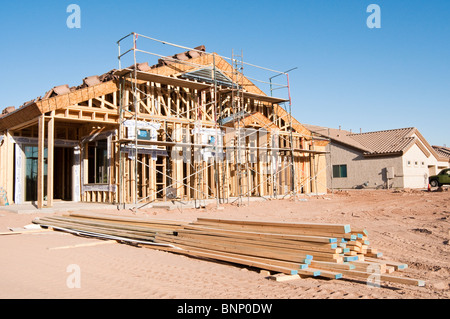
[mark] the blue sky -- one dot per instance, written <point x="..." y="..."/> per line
<point x="347" y="74"/>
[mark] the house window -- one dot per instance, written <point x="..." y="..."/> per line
<point x="408" y="163"/>
<point x="416" y="164"/>
<point x="339" y="171"/>
<point x="97" y="152"/>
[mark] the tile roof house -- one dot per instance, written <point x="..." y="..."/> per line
<point x="383" y="159"/>
<point x="442" y="151"/>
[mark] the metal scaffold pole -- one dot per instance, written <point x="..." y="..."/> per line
<point x="203" y="107"/>
<point x="136" y="114"/>
<point x="217" y="148"/>
<point x="291" y="138"/>
<point x="238" y="111"/>
<point x="294" y="179"/>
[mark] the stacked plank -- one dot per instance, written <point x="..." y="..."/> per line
<point x="289" y="248"/>
<point x="128" y="228"/>
<point x="308" y="249"/>
<point x="325" y="250"/>
<point x="282" y="247"/>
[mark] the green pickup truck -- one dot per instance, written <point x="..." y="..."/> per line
<point x="440" y="179"/>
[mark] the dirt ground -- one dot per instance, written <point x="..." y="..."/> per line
<point x="409" y="226"/>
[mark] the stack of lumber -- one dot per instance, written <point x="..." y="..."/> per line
<point x="128" y="228"/>
<point x="308" y="249"/>
<point x="331" y="251"/>
<point x="281" y="247"/>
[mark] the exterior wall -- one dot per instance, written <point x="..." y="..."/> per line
<point x="418" y="167"/>
<point x="362" y="172"/>
<point x="320" y="169"/>
<point x="7" y="168"/>
<point x="411" y="170"/>
<point x="416" y="170"/>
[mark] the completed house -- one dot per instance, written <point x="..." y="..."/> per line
<point x="398" y="158"/>
<point x="442" y="151"/>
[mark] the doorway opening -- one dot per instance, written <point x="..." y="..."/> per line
<point x="62" y="175"/>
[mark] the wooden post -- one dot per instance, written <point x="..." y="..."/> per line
<point x="50" y="158"/>
<point x="40" y="175"/>
<point x="6" y="168"/>
<point x="152" y="178"/>
<point x="133" y="180"/>
<point x="144" y="179"/>
<point x="177" y="160"/>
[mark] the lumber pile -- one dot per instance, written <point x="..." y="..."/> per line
<point x="128" y="228"/>
<point x="332" y="251"/>
<point x="278" y="247"/>
<point x="307" y="249"/>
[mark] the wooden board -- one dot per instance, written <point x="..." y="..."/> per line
<point x="336" y="228"/>
<point x="287" y="253"/>
<point x="236" y="248"/>
<point x="253" y="234"/>
<point x="382" y="277"/>
<point x="162" y="79"/>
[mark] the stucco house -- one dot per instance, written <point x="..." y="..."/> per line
<point x="397" y="158"/>
<point x="443" y="151"/>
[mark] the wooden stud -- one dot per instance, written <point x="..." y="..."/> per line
<point x="50" y="158"/>
<point x="40" y="175"/>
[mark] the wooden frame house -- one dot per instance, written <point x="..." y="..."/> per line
<point x="191" y="127"/>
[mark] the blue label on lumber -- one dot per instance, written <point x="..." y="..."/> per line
<point x="350" y="258"/>
<point x="304" y="266"/>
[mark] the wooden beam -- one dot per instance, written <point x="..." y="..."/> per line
<point x="382" y="277"/>
<point x="104" y="103"/>
<point x="40" y="174"/>
<point x="233" y="258"/>
<point x="335" y="228"/>
<point x="50" y="158"/>
<point x="157" y="78"/>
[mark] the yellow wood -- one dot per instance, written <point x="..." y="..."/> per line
<point x="40" y="174"/>
<point x="50" y="158"/>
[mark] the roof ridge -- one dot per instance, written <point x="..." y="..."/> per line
<point x="387" y="141"/>
<point x="381" y="131"/>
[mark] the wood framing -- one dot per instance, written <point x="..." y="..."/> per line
<point x="138" y="136"/>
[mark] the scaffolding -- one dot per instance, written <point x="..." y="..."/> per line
<point x="237" y="102"/>
<point x="191" y="176"/>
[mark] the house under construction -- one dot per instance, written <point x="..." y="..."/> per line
<point x="191" y="127"/>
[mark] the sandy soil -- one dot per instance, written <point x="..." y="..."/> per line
<point x="407" y="226"/>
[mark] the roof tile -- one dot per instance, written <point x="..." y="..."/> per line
<point x="371" y="143"/>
